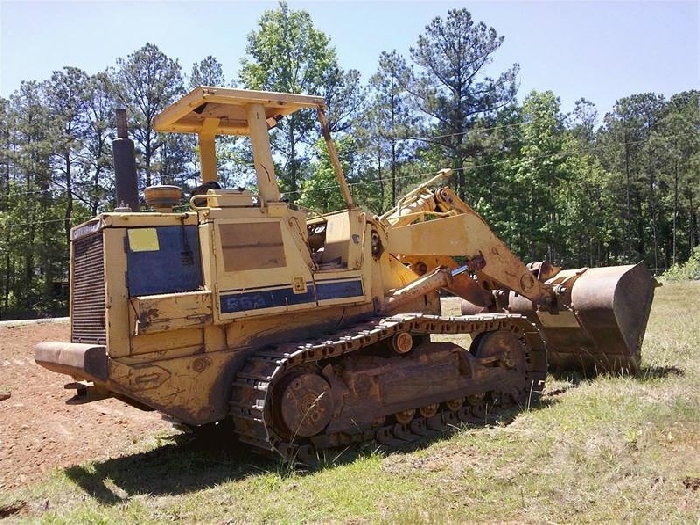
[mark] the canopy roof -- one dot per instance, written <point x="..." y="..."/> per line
<point x="228" y="105"/>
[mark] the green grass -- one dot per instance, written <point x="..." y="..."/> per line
<point x="610" y="448"/>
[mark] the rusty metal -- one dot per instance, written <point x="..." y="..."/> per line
<point x="612" y="306"/>
<point x="402" y="342"/>
<point x="365" y="387"/>
<point x="429" y="410"/>
<point x="306" y="405"/>
<point x="463" y="285"/>
<point x="454" y="404"/>
<point x="475" y="399"/>
<point x="405" y="416"/>
<point x="476" y="263"/>
<point x="501" y="347"/>
<point x="260" y="273"/>
<point x="543" y="270"/>
<point x="598" y="319"/>
<point x="163" y="197"/>
<point x="429" y="283"/>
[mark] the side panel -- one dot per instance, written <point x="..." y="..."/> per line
<point x="117" y="296"/>
<point x="258" y="269"/>
<point x="190" y="388"/>
<point x="161" y="313"/>
<point x="168" y="344"/>
<point x="163" y="259"/>
<point x="344" y="240"/>
<point x="252" y="246"/>
<point x="248" y="300"/>
<point x="346" y="255"/>
<point x="153" y="281"/>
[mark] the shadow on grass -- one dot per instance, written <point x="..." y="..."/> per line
<point x="185" y="464"/>
<point x="659" y="372"/>
<point x="550" y="399"/>
<point x="648" y="372"/>
<point x="565" y="380"/>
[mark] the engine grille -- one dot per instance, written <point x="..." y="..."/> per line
<point x="88" y="290"/>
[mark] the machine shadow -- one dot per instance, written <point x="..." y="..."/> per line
<point x="189" y="463"/>
<point x="184" y="464"/>
<point x="652" y="372"/>
<point x="574" y="378"/>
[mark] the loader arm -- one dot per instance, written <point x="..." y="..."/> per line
<point x="592" y="319"/>
<point x="438" y="223"/>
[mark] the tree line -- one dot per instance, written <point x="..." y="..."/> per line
<point x="574" y="188"/>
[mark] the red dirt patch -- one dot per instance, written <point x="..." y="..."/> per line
<point x="38" y="430"/>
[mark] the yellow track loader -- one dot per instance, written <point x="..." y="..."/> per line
<point x="314" y="332"/>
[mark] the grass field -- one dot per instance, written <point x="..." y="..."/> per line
<point x="610" y="448"/>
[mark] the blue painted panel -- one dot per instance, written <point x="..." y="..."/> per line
<point x="339" y="290"/>
<point x="175" y="267"/>
<point x="257" y="299"/>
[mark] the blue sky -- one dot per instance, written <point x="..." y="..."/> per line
<point x="600" y="50"/>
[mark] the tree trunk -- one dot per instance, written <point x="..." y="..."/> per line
<point x="149" y="153"/>
<point x="675" y="212"/>
<point x="693" y="221"/>
<point x="379" y="179"/>
<point x="292" y="159"/>
<point x="628" y="215"/>
<point x="654" y="228"/>
<point x="393" y="173"/>
<point x="69" y="199"/>
<point x="5" y="207"/>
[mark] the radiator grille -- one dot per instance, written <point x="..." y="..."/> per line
<point x="88" y="291"/>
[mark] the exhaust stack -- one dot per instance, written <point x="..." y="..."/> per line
<point x="125" y="166"/>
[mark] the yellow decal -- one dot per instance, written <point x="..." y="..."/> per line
<point x="143" y="240"/>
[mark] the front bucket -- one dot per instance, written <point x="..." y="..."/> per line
<point x="605" y="330"/>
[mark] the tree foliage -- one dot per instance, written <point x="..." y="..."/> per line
<point x="147" y="81"/>
<point x="391" y="122"/>
<point x="451" y="86"/>
<point x="287" y="54"/>
<point x="575" y="189"/>
<point x="207" y="72"/>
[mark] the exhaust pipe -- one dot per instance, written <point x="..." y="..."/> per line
<point x="125" y="166"/>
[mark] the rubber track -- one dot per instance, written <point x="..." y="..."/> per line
<point x="252" y="390"/>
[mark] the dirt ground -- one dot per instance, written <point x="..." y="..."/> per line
<point x="38" y="430"/>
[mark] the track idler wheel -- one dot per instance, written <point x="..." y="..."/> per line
<point x="500" y="348"/>
<point x="306" y="404"/>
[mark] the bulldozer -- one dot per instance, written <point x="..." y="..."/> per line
<point x="307" y="332"/>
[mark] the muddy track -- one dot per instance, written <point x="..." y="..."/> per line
<point x="253" y="395"/>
